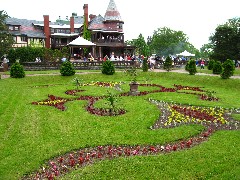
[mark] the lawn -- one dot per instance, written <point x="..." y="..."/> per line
<point x="31" y="134"/>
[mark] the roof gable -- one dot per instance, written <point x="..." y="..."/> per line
<point x="112" y="13"/>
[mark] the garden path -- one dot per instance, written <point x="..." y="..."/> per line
<point x="4" y="76"/>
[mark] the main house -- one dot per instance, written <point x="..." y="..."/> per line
<point x="106" y="32"/>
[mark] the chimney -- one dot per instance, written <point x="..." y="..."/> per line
<point x="71" y="24"/>
<point x="47" y="30"/>
<point x="85" y="8"/>
<point x="91" y="17"/>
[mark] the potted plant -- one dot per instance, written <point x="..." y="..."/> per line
<point x="132" y="72"/>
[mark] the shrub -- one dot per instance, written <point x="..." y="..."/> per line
<point x="191" y="67"/>
<point x="108" y="68"/>
<point x="167" y="64"/>
<point x="210" y="64"/>
<point x="17" y="71"/>
<point x="217" y="67"/>
<point x="145" y="65"/>
<point x="228" y="69"/>
<point x="67" y="69"/>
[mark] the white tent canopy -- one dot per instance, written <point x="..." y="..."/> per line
<point x="185" y="53"/>
<point x="81" y="42"/>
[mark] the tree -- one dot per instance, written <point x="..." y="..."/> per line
<point x="206" y="50"/>
<point x="226" y="41"/>
<point x="142" y="47"/>
<point x="86" y="35"/>
<point x="108" y="68"/>
<point x="191" y="67"/>
<point x="168" y="64"/>
<point x="228" y="69"/>
<point x="166" y="41"/>
<point x="6" y="39"/>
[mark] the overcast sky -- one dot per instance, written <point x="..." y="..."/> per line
<point x="196" y="18"/>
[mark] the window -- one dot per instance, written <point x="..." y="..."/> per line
<point x="76" y="30"/>
<point x="16" y="28"/>
<point x="24" y="38"/>
<point x="119" y="25"/>
<point x="10" y="28"/>
<point x="64" y="41"/>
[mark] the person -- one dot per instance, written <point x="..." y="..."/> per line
<point x="105" y="58"/>
<point x="152" y="63"/>
<point x="202" y="64"/>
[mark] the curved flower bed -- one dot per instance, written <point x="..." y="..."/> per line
<point x="171" y="115"/>
<point x="59" y="102"/>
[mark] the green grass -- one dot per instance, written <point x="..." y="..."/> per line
<point x="30" y="134"/>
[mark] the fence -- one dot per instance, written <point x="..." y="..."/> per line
<point x="90" y="65"/>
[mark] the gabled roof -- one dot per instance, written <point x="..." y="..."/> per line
<point x="26" y="27"/>
<point x="96" y="23"/>
<point x="112" y="14"/>
<point x="80" y="41"/>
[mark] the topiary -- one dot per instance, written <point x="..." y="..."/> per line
<point x="167" y="64"/>
<point x="17" y="71"/>
<point x="210" y="64"/>
<point x="191" y="67"/>
<point x="217" y="67"/>
<point x="67" y="69"/>
<point x="228" y="69"/>
<point x="145" y="65"/>
<point x="108" y="68"/>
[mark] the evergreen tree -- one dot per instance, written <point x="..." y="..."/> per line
<point x="168" y="64"/>
<point x="108" y="68"/>
<point x="217" y="67"/>
<point x="67" y="69"/>
<point x="86" y="35"/>
<point x="228" y="69"/>
<point x="145" y="65"/>
<point x="191" y="67"/>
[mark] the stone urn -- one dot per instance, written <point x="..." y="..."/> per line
<point x="133" y="88"/>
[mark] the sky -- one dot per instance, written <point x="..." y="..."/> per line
<point x="198" y="19"/>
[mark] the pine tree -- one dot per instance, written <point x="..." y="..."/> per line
<point x="168" y="64"/>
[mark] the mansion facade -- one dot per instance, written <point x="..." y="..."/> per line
<point x="106" y="32"/>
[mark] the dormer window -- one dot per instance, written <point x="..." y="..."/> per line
<point x="13" y="28"/>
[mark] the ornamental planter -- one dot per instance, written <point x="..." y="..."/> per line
<point x="134" y="88"/>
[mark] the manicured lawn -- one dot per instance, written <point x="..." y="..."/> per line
<point x="30" y="134"/>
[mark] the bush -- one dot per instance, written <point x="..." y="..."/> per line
<point x="191" y="67"/>
<point x="167" y="64"/>
<point x="67" y="69"/>
<point x="108" y="68"/>
<point x="145" y="65"/>
<point x="210" y="64"/>
<point x="217" y="67"/>
<point x="228" y="69"/>
<point x="17" y="71"/>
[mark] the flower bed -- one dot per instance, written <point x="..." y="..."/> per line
<point x="171" y="115"/>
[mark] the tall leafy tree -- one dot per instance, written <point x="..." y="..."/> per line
<point x="6" y="39"/>
<point x="206" y="50"/>
<point x="142" y="47"/>
<point x="226" y="41"/>
<point x="166" y="41"/>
